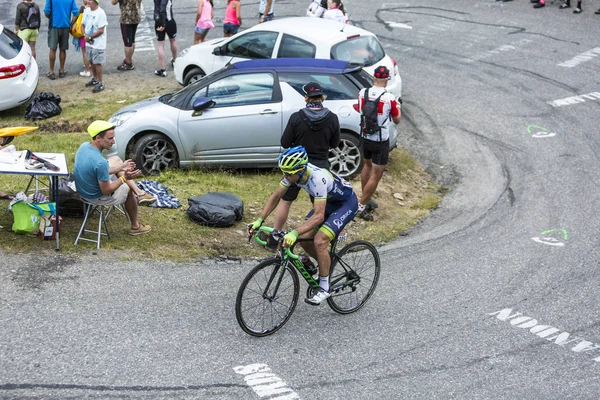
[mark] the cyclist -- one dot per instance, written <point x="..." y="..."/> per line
<point x="335" y="205"/>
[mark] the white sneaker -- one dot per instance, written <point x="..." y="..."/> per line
<point x="318" y="298"/>
<point x="83" y="73"/>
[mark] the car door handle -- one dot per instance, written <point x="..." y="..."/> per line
<point x="267" y="111"/>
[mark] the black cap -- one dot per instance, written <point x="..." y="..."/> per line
<point x="312" y="89"/>
<point x="381" y="72"/>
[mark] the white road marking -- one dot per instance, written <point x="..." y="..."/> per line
<point x="567" y="101"/>
<point x="398" y="25"/>
<point x="547" y="332"/>
<point x="144" y="37"/>
<point x="265" y="383"/>
<point x="581" y="58"/>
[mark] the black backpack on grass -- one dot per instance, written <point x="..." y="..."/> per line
<point x="368" y="116"/>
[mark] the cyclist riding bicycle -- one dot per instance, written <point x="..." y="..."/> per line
<point x="334" y="206"/>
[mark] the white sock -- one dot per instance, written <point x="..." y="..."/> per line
<point x="361" y="207"/>
<point x="324" y="283"/>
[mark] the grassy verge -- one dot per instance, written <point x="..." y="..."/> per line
<point x="405" y="195"/>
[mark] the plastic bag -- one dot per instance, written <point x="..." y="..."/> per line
<point x="69" y="202"/>
<point x="44" y="105"/>
<point x="27" y="216"/>
<point x="216" y="209"/>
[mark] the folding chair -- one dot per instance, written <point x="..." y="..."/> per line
<point x="103" y="213"/>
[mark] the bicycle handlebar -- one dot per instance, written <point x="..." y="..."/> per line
<point x="278" y="235"/>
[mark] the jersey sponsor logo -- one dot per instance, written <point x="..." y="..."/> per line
<point x="340" y="222"/>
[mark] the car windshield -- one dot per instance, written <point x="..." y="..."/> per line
<point x="172" y="98"/>
<point x="10" y="44"/>
<point x="360" y="50"/>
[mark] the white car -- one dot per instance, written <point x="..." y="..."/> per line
<point x="18" y="70"/>
<point x="299" y="37"/>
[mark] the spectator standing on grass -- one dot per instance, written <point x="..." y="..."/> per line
<point x="265" y="11"/>
<point x="130" y="18"/>
<point x="94" y="25"/>
<point x="233" y="18"/>
<point x="316" y="8"/>
<point x="204" y="17"/>
<point x="60" y="14"/>
<point x="164" y="24"/>
<point x="27" y="23"/>
<point x="376" y="145"/>
<point x="79" y="44"/>
<point x="567" y="4"/>
<point x="317" y="130"/>
<point x="109" y="182"/>
<point x="336" y="11"/>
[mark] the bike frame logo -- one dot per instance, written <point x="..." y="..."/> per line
<point x="539" y="132"/>
<point x="552" y="237"/>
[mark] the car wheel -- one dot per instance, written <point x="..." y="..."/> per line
<point x="193" y="75"/>
<point x="154" y="153"/>
<point x="346" y="160"/>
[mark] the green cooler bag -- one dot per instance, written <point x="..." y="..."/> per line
<point x="27" y="216"/>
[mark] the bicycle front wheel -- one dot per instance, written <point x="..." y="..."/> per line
<point x="267" y="298"/>
<point x="353" y="276"/>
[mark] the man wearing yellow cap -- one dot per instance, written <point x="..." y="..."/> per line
<point x="93" y="173"/>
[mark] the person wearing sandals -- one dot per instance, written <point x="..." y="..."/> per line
<point x="204" y="17"/>
<point x="60" y="14"/>
<point x="106" y="182"/>
<point x="130" y="18"/>
<point x="567" y="4"/>
<point x="94" y="25"/>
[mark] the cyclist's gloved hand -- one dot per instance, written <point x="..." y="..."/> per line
<point x="255" y="225"/>
<point x="290" y="238"/>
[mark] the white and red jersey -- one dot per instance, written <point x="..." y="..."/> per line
<point x="386" y="110"/>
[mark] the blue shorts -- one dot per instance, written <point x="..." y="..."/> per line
<point x="337" y="216"/>
<point x="200" y="31"/>
<point x="231" y="29"/>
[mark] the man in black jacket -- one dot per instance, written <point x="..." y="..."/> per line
<point x="317" y="130"/>
<point x="164" y="24"/>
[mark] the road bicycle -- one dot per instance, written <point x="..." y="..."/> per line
<point x="268" y="295"/>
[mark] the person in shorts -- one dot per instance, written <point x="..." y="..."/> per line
<point x="164" y="24"/>
<point x="109" y="182"/>
<point x="27" y="23"/>
<point x="265" y="11"/>
<point x="94" y="25"/>
<point x="335" y="205"/>
<point x="130" y="18"/>
<point x="376" y="147"/>
<point x="233" y="18"/>
<point x="204" y="22"/>
<point x="60" y="13"/>
<point x="315" y="128"/>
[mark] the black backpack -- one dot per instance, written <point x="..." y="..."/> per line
<point x="33" y="17"/>
<point x="368" y="117"/>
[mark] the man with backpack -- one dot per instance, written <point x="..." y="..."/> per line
<point x="27" y="23"/>
<point x="59" y="17"/>
<point x="377" y="107"/>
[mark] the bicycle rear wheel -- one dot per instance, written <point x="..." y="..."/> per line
<point x="353" y="276"/>
<point x="267" y="298"/>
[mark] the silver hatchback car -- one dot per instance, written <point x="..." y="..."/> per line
<point x="234" y="118"/>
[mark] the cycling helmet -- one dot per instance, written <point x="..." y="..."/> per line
<point x="293" y="160"/>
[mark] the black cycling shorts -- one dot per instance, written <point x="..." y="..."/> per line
<point x="377" y="152"/>
<point x="170" y="30"/>
<point x="128" y="34"/>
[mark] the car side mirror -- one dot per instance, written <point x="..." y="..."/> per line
<point x="202" y="103"/>
<point x="218" y="51"/>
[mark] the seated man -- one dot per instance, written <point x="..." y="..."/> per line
<point x="93" y="174"/>
<point x="335" y="205"/>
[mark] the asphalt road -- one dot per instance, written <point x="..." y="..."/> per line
<point x="492" y="297"/>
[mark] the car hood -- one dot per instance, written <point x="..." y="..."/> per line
<point x="139" y="105"/>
